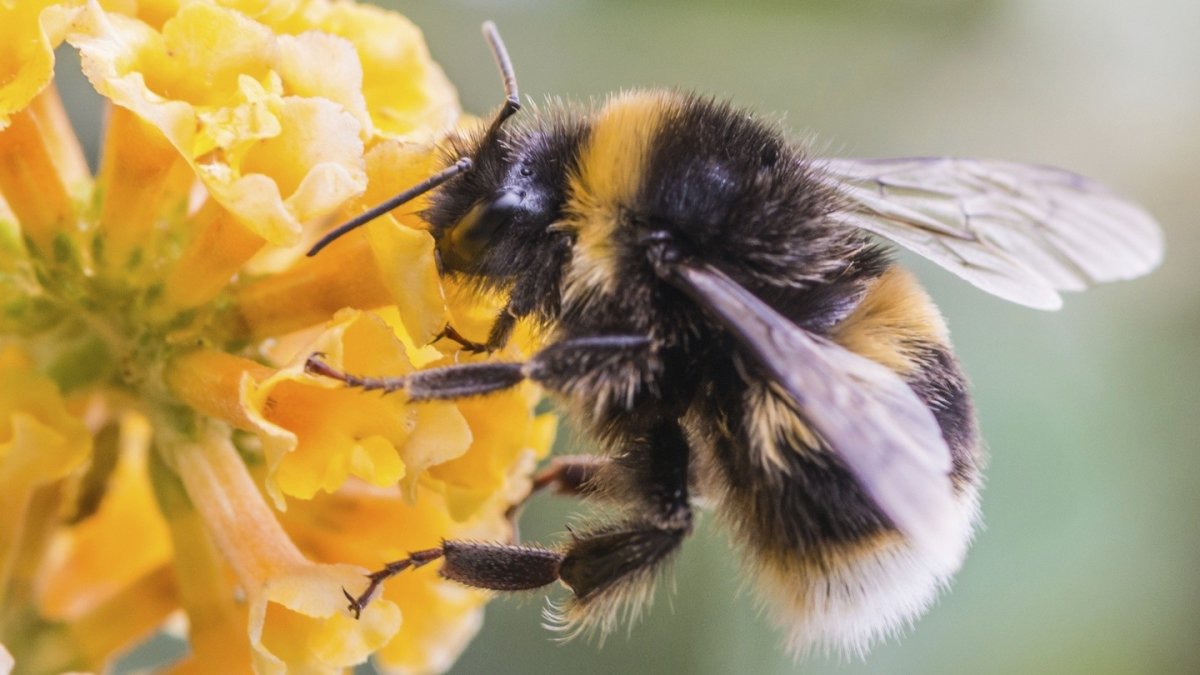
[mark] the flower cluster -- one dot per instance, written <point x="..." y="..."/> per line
<point x="163" y="452"/>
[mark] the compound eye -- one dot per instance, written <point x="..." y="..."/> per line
<point x="468" y="239"/>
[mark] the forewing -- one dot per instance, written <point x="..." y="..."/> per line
<point x="1019" y="231"/>
<point x="870" y="418"/>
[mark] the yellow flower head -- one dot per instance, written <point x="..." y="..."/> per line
<point x="162" y="449"/>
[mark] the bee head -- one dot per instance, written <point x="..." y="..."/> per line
<point x="492" y="207"/>
<point x="494" y="222"/>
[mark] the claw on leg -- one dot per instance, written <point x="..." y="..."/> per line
<point x="315" y="365"/>
<point x="376" y="579"/>
<point x="467" y="345"/>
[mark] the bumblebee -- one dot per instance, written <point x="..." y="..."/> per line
<point x="724" y="323"/>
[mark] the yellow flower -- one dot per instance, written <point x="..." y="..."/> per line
<point x="162" y="449"/>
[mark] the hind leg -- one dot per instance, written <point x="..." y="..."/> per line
<point x="605" y="566"/>
<point x="589" y="566"/>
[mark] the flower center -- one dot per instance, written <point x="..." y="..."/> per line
<point x="99" y="329"/>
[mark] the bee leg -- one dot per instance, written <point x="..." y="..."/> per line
<point x="468" y="345"/>
<point x="592" y="565"/>
<point x="502" y="329"/>
<point x="529" y="295"/>
<point x="604" y="566"/>
<point x="556" y="367"/>
<point x="448" y="383"/>
<point x="570" y="476"/>
<point x="610" y="566"/>
<point x="614" y="564"/>
<point x="497" y="567"/>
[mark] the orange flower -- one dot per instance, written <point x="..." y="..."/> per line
<point x="162" y="449"/>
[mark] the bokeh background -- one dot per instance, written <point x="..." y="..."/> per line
<point x="1090" y="560"/>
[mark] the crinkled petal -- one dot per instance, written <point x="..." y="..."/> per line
<point x="315" y="159"/>
<point x="297" y="617"/>
<point x="406" y="92"/>
<point x="317" y="64"/>
<point x="403" y="250"/>
<point x="29" y="32"/>
<point x="441" y="618"/>
<point x="210" y="83"/>
<point x="299" y="622"/>
<point x="507" y="434"/>
<point x="317" y="432"/>
<point x="369" y="526"/>
<point x="267" y="11"/>
<point x="408" y="261"/>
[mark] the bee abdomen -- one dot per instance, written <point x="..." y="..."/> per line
<point x="898" y="326"/>
<point x="831" y="568"/>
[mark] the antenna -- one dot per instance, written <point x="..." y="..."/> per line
<point x="512" y="98"/>
<point x="462" y="165"/>
<point x="512" y="103"/>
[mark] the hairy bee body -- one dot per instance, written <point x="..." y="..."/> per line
<point x="732" y="191"/>
<point x="721" y="323"/>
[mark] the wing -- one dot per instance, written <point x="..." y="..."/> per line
<point x="869" y="417"/>
<point x="1019" y="231"/>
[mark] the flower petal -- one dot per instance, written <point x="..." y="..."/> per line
<point x="406" y="92"/>
<point x="121" y="621"/>
<point x="40" y="441"/>
<point x="221" y="246"/>
<point x="316" y="159"/>
<point x="125" y="538"/>
<point x="321" y="65"/>
<point x="143" y="180"/>
<point x="41" y="175"/>
<point x="209" y="82"/>
<point x="297" y="616"/>
<point x="368" y="526"/>
<point x="317" y="432"/>
<point x="404" y="252"/>
<point x="509" y="438"/>
<point x="300" y="621"/>
<point x="29" y="32"/>
<point x="312" y="290"/>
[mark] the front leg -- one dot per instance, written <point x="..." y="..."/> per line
<point x="564" y="367"/>
<point x="468" y="345"/>
<point x="498" y="335"/>
<point x="536" y="293"/>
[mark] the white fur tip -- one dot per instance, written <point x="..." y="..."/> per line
<point x="864" y="596"/>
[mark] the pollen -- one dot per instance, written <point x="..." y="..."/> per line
<point x="164" y="455"/>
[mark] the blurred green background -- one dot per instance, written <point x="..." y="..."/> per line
<point x="1090" y="560"/>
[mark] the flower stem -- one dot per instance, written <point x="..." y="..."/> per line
<point x="31" y="179"/>
<point x="222" y="245"/>
<point x="216" y="624"/>
<point x="39" y="515"/>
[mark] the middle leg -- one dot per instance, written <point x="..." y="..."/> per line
<point x="568" y="475"/>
